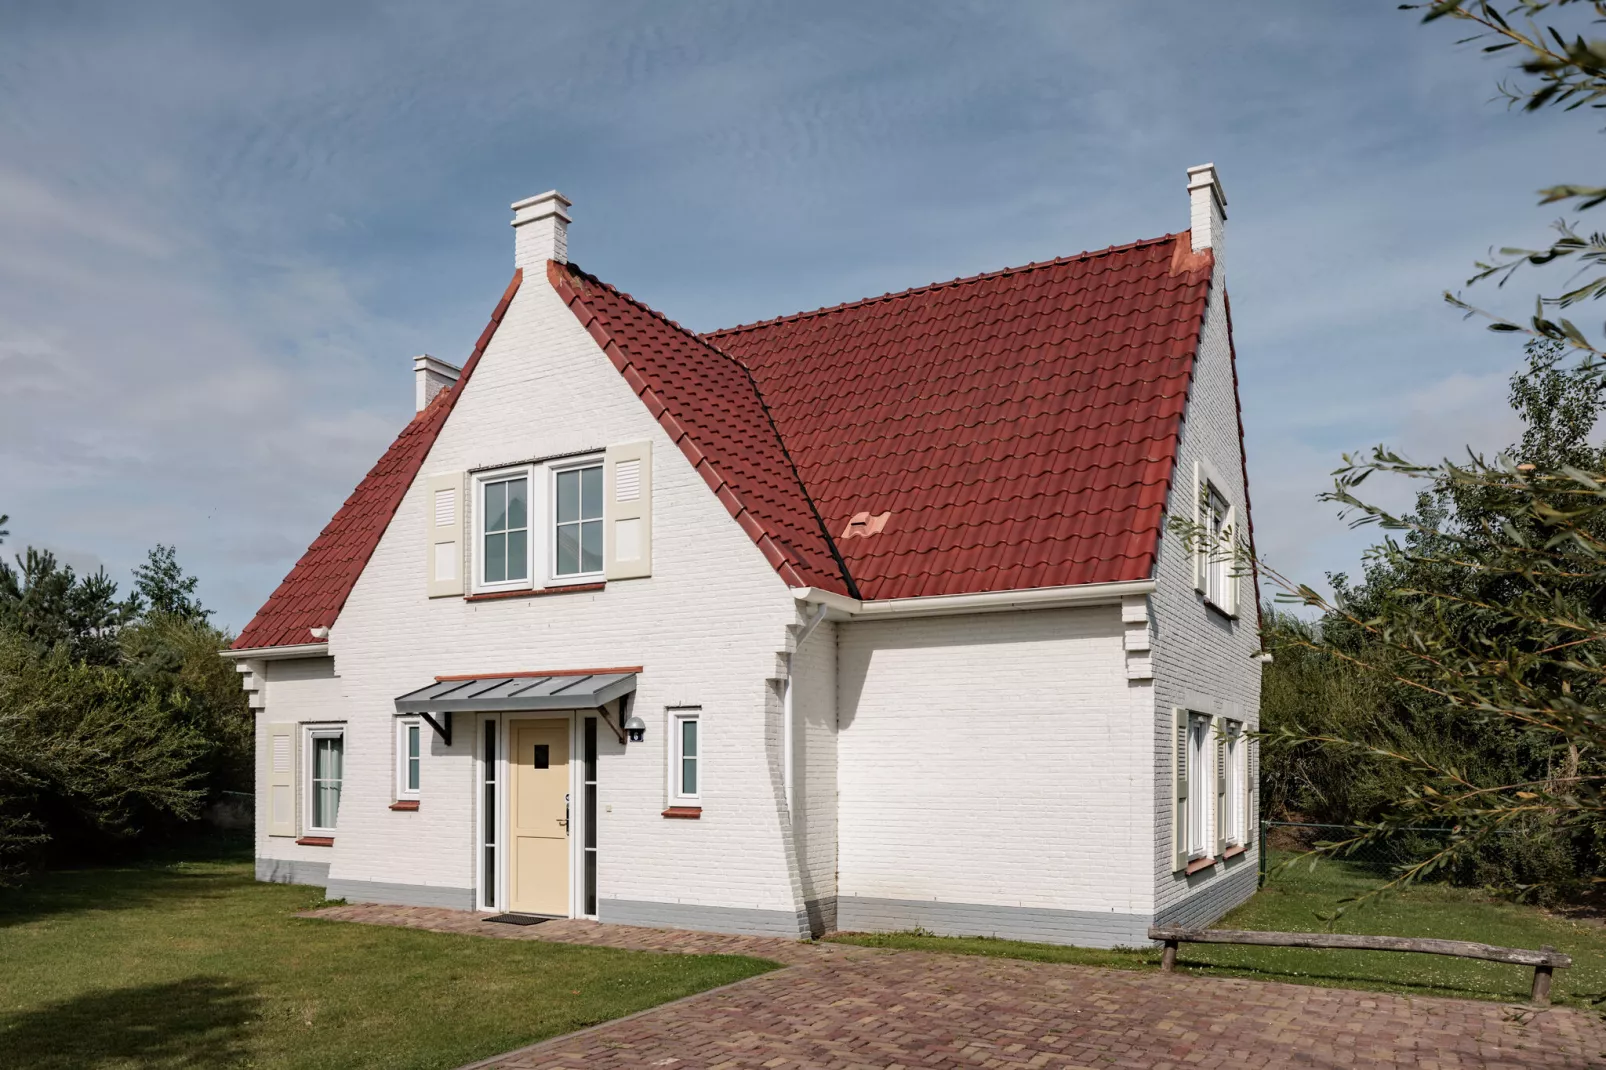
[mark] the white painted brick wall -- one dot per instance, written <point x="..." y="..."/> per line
<point x="1197" y="649"/>
<point x="814" y="683"/>
<point x="706" y="626"/>
<point x="996" y="759"/>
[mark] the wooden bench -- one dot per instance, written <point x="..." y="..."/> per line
<point x="1544" y="961"/>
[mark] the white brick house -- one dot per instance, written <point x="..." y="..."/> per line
<point x="864" y="618"/>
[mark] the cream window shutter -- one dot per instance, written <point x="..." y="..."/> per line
<point x="1251" y="790"/>
<point x="444" y="515"/>
<point x="1220" y="816"/>
<point x="279" y="809"/>
<point x="1179" y="789"/>
<point x="627" y="510"/>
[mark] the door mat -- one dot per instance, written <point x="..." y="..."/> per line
<point x="518" y="919"/>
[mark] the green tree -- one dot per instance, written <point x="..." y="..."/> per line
<point x="50" y="604"/>
<point x="89" y="757"/>
<point x="1441" y="589"/>
<point x="162" y="587"/>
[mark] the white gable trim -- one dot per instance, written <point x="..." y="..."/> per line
<point x="840" y="607"/>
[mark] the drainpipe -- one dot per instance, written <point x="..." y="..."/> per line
<point x="786" y="710"/>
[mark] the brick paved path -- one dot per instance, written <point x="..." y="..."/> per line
<point x="842" y="1008"/>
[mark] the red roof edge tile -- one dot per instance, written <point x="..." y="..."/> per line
<point x="315" y="591"/>
<point x="562" y="282"/>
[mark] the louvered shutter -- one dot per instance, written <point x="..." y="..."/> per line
<point x="444" y="514"/>
<point x="1251" y="790"/>
<point x="280" y="808"/>
<point x="1179" y="788"/>
<point x="1219" y="818"/>
<point x="627" y="510"/>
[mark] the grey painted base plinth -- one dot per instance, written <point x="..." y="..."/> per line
<point x="742" y="921"/>
<point x="1219" y="894"/>
<point x="290" y="871"/>
<point x="402" y="895"/>
<point x="1041" y="925"/>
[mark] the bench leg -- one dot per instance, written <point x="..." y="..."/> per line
<point x="1539" y="995"/>
<point x="1168" y="958"/>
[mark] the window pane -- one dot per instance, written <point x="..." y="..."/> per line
<point x="591" y="820"/>
<point x="568" y="497"/>
<point x="412" y="741"/>
<point x="496" y="507"/>
<point x="591" y="493"/>
<point x="518" y="513"/>
<point x="688" y="776"/>
<point x="495" y="558"/>
<point x="568" y="549"/>
<point x="688" y="737"/>
<point x="518" y="555"/>
<point x="326" y="759"/>
<point x="591" y="546"/>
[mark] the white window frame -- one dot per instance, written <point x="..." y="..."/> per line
<point x="312" y="733"/>
<point x="676" y="745"/>
<point x="549" y="527"/>
<point x="404" y="727"/>
<point x="534" y="518"/>
<point x="1216" y="565"/>
<point x="1201" y="786"/>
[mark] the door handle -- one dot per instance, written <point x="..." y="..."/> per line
<point x="565" y="813"/>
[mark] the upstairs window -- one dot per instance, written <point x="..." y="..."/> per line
<point x="1215" y="565"/>
<point x="505" y="530"/>
<point x="577" y="521"/>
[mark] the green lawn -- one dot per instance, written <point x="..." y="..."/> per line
<point x="1292" y="901"/>
<point x="194" y="964"/>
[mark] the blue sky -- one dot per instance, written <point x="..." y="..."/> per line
<point x="225" y="229"/>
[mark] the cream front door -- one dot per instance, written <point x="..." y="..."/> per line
<point x="539" y="875"/>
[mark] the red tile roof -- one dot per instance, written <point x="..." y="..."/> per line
<point x="1020" y="426"/>
<point x="1011" y="430"/>
<point x="312" y="595"/>
<point x="707" y="403"/>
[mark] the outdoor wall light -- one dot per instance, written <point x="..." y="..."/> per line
<point x="636" y="729"/>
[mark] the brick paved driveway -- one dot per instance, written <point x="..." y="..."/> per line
<point x="840" y="1007"/>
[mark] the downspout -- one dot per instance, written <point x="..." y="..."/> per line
<point x="786" y="710"/>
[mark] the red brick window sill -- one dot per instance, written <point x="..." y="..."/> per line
<point x="404" y="804"/>
<point x="538" y="592"/>
<point x="1233" y="852"/>
<point x="1198" y="865"/>
<point x="691" y="812"/>
<point x="316" y="841"/>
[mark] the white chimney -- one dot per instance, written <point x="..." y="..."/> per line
<point x="1208" y="209"/>
<point x="541" y="230"/>
<point x="431" y="375"/>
